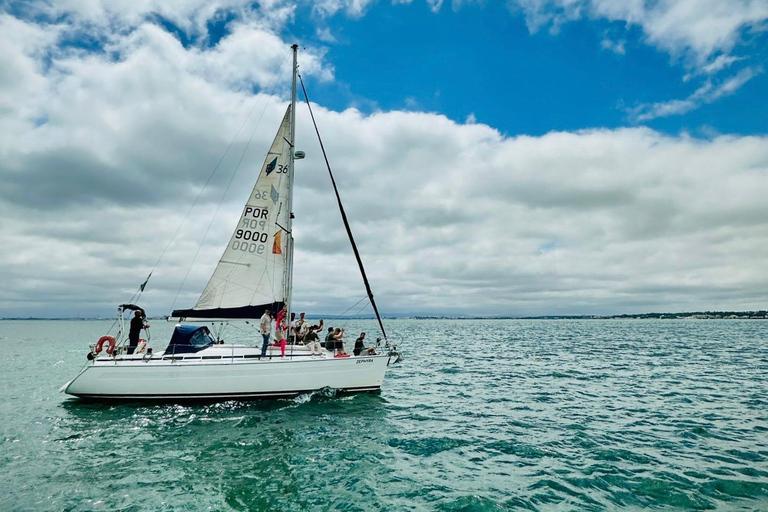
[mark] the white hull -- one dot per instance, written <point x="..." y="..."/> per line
<point x="225" y="372"/>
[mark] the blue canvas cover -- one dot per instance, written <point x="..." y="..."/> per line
<point x="188" y="339"/>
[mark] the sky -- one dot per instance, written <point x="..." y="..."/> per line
<point x="521" y="158"/>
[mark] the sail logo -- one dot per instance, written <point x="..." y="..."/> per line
<point x="271" y="166"/>
<point x="274" y="195"/>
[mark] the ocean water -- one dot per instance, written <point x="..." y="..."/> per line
<point x="480" y="415"/>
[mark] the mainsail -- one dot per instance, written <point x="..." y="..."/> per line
<point x="251" y="273"/>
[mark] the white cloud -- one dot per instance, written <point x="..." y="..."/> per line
<point x="325" y="35"/>
<point x="693" y="29"/>
<point x="709" y="92"/>
<point x="583" y="222"/>
<point x="700" y="33"/>
<point x="352" y="8"/>
<point x="102" y="157"/>
<point x="719" y="63"/>
<point x="435" y="5"/>
<point x="617" y="47"/>
<point x="191" y="16"/>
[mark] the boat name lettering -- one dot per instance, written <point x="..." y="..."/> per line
<point x="246" y="234"/>
<point x="364" y="361"/>
<point x="256" y="213"/>
<point x="254" y="224"/>
<point x="248" y="247"/>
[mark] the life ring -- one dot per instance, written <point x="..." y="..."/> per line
<point x="100" y="344"/>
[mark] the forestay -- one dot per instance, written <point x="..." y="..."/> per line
<point x="251" y="273"/>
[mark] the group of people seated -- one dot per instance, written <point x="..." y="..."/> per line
<point x="302" y="333"/>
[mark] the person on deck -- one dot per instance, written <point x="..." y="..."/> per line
<point x="292" y="329"/>
<point x="338" y="337"/>
<point x="329" y="341"/>
<point x="137" y="324"/>
<point x="360" y="347"/>
<point x="280" y="328"/>
<point x="300" y="327"/>
<point x="312" y="340"/>
<point x="265" y="327"/>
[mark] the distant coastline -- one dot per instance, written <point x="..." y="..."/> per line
<point x="696" y="315"/>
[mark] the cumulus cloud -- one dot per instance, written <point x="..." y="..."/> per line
<point x="101" y="158"/>
<point x="190" y="16"/>
<point x="592" y="221"/>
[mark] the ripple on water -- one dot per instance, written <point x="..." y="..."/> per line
<point x="566" y="416"/>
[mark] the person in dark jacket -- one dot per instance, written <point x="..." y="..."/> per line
<point x="330" y="341"/>
<point x="312" y="340"/>
<point x="137" y="324"/>
<point x="360" y="347"/>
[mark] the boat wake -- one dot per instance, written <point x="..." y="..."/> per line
<point x="319" y="394"/>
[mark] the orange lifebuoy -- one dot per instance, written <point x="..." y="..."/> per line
<point x="100" y="344"/>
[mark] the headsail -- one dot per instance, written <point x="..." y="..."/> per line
<point x="251" y="274"/>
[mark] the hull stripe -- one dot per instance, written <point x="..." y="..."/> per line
<point x="241" y="395"/>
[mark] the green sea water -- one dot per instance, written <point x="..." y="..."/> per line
<point x="480" y="415"/>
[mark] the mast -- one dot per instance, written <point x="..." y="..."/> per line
<point x="289" y="252"/>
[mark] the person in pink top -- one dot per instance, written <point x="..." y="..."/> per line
<point x="280" y="328"/>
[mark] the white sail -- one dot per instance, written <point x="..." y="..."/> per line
<point x="251" y="273"/>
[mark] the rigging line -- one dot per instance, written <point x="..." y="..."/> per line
<point x="215" y="213"/>
<point x="256" y="289"/>
<point x="354" y="316"/>
<point x="338" y="317"/>
<point x="242" y="254"/>
<point x="359" y="310"/>
<point x="346" y="319"/>
<point x="343" y="214"/>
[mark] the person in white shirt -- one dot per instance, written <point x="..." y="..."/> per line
<point x="300" y="328"/>
<point x="265" y="327"/>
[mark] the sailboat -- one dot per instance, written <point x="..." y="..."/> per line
<point x="253" y="275"/>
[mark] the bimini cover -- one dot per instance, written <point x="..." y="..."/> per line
<point x="188" y="339"/>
